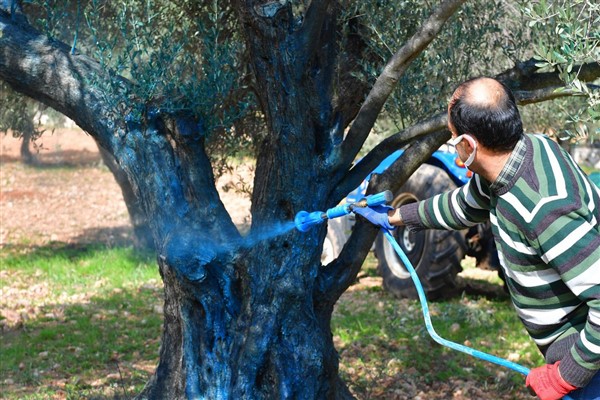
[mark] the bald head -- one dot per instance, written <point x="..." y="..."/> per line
<point x="484" y="92"/>
<point x="486" y="109"/>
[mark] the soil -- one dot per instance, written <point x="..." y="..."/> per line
<point x="68" y="195"/>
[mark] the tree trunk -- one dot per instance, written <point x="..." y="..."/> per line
<point x="241" y="317"/>
<point x="142" y="234"/>
<point x="28" y="133"/>
<point x="270" y="346"/>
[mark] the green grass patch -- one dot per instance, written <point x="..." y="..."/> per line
<point x="383" y="341"/>
<point x="85" y="320"/>
<point x="75" y="268"/>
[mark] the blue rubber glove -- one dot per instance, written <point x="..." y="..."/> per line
<point x="377" y="215"/>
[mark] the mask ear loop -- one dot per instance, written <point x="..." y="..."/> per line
<point x="473" y="143"/>
<point x="456" y="140"/>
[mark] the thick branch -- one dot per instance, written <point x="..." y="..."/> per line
<point x="420" y="150"/>
<point x="387" y="81"/>
<point x="351" y="88"/>
<point x="311" y="28"/>
<point x="386" y="147"/>
<point x="530" y="86"/>
<point x="525" y="97"/>
<point x="261" y="14"/>
<point x="340" y="274"/>
<point x="524" y="76"/>
<point x="45" y="70"/>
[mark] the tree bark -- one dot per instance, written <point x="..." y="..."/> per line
<point x="142" y="234"/>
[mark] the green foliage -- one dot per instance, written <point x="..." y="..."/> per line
<point x="472" y="41"/>
<point x="179" y="66"/>
<point x="20" y="115"/>
<point x="183" y="59"/>
<point x="574" y="39"/>
<point x="53" y="13"/>
<point x="180" y="60"/>
<point x="187" y="58"/>
<point x="562" y="118"/>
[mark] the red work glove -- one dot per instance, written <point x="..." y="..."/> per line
<point x="547" y="383"/>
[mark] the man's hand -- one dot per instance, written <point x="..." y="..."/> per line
<point x="547" y="383"/>
<point x="377" y="215"/>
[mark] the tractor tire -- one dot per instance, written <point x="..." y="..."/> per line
<point x="434" y="254"/>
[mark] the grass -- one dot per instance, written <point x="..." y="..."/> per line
<point x="75" y="268"/>
<point x="382" y="340"/>
<point x="85" y="322"/>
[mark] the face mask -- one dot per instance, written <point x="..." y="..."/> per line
<point x="473" y="143"/>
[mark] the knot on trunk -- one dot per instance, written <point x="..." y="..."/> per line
<point x="189" y="252"/>
<point x="269" y="9"/>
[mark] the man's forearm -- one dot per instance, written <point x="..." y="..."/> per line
<point x="395" y="217"/>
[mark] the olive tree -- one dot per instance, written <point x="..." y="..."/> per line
<point x="247" y="316"/>
<point x="20" y="116"/>
<point x="567" y="36"/>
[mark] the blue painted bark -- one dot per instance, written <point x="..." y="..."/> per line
<point x="241" y="317"/>
<point x="244" y="317"/>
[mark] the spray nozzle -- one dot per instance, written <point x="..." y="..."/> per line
<point x="305" y="220"/>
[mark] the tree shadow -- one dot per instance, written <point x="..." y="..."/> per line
<point x="114" y="236"/>
<point x="58" y="159"/>
<point x="70" y="250"/>
<point x="89" y="239"/>
<point x="482" y="288"/>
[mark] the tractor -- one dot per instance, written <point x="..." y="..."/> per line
<point x="435" y="254"/>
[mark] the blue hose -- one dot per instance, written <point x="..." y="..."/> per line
<point x="465" y="349"/>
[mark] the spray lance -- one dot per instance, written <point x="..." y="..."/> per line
<point x="304" y="221"/>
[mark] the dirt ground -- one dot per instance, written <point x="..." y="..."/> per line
<point x="69" y="196"/>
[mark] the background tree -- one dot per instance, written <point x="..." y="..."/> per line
<point x="21" y="117"/>
<point x="575" y="41"/>
<point x="249" y="316"/>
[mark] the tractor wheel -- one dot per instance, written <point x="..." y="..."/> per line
<point x="434" y="254"/>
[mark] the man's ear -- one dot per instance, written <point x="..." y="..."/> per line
<point x="471" y="142"/>
<point x="469" y="147"/>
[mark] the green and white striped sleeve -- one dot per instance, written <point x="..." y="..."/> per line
<point x="458" y="209"/>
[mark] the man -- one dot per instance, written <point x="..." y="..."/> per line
<point x="545" y="216"/>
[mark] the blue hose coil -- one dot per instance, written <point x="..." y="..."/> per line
<point x="426" y="316"/>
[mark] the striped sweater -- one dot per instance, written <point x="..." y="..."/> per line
<point x="545" y="217"/>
